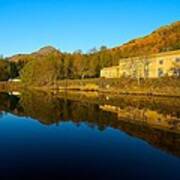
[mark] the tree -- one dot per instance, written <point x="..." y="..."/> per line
<point x="4" y="70"/>
<point x="92" y="51"/>
<point x="137" y="68"/>
<point x="41" y="71"/>
<point x="103" y="48"/>
<point x="13" y="70"/>
<point x="68" y="66"/>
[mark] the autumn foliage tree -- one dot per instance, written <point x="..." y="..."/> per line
<point x="4" y="70"/>
<point x="41" y="71"/>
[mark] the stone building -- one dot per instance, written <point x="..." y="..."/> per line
<point x="149" y="66"/>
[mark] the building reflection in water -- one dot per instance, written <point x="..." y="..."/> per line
<point x="156" y="121"/>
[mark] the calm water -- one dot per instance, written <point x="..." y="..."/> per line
<point x="80" y="136"/>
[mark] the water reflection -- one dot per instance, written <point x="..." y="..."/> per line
<point x="145" y="116"/>
<point x="155" y="120"/>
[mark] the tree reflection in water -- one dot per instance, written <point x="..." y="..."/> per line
<point x="154" y="120"/>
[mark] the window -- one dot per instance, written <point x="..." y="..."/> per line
<point x="160" y="72"/>
<point x="177" y="72"/>
<point x="161" y="62"/>
<point x="124" y="74"/>
<point x="178" y="59"/>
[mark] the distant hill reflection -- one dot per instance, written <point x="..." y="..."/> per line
<point x="154" y="120"/>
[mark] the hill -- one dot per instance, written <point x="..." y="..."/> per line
<point x="166" y="38"/>
<point x="43" y="52"/>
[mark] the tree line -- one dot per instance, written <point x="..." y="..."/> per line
<point x="66" y="66"/>
<point x="49" y="64"/>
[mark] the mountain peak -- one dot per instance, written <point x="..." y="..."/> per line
<point x="47" y="50"/>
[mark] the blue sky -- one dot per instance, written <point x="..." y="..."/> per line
<point x="27" y="25"/>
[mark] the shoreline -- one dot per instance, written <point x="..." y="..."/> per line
<point x="148" y="88"/>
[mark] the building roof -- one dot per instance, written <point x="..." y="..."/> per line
<point x="111" y="67"/>
<point x="162" y="54"/>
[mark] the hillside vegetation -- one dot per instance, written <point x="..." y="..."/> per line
<point x="166" y="38"/>
<point x="49" y="64"/>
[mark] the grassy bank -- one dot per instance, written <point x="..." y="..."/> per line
<point x="166" y="86"/>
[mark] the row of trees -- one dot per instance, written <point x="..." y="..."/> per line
<point x="44" y="68"/>
<point x="47" y="69"/>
